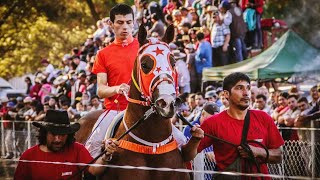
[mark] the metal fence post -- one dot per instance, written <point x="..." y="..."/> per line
<point x="198" y="165"/>
<point x="14" y="139"/>
<point x="313" y="151"/>
<point x="2" y="139"/>
<point x="29" y="134"/>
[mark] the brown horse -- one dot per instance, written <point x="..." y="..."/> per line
<point x="154" y="85"/>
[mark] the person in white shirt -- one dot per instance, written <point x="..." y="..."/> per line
<point x="186" y="16"/>
<point x="100" y="32"/>
<point x="183" y="72"/>
<point x="290" y="116"/>
<point x="81" y="65"/>
<point x="96" y="104"/>
<point x="314" y="95"/>
<point x="49" y="71"/>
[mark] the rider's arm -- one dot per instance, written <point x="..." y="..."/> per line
<point x="275" y="155"/>
<point x="105" y="91"/>
<point x="189" y="150"/>
<point x="110" y="147"/>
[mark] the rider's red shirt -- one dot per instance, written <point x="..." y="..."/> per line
<point x="261" y="129"/>
<point x="75" y="153"/>
<point x="117" y="61"/>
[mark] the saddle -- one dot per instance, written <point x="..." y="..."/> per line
<point x="155" y="148"/>
<point x="114" y="125"/>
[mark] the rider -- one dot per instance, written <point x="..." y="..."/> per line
<point x="113" y="66"/>
<point x="228" y="126"/>
<point x="113" y="76"/>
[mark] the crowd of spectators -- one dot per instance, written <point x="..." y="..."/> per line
<point x="208" y="34"/>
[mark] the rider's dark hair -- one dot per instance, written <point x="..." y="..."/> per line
<point x="232" y="79"/>
<point x="120" y="9"/>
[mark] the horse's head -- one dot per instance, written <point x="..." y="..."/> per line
<point x="155" y="75"/>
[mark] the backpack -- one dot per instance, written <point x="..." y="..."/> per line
<point x="249" y="16"/>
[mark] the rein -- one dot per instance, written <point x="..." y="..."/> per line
<point x="244" y="142"/>
<point x="146" y="115"/>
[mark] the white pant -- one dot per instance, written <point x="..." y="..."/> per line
<point x="8" y="140"/>
<point x="94" y="142"/>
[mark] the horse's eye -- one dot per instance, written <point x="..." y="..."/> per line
<point x="147" y="64"/>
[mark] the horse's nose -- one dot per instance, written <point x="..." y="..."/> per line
<point x="164" y="101"/>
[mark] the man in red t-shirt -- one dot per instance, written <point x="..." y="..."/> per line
<point x="228" y="126"/>
<point x="113" y="66"/>
<point x="56" y="144"/>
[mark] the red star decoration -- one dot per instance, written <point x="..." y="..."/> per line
<point x="158" y="51"/>
<point x="168" y="69"/>
<point x="158" y="69"/>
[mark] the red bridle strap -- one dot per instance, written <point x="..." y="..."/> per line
<point x="142" y="103"/>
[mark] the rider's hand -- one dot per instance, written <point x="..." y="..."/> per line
<point x="110" y="146"/>
<point x="122" y="88"/>
<point x="197" y="132"/>
<point x="210" y="156"/>
<point x="257" y="152"/>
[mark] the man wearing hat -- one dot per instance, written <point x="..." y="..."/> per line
<point x="211" y="96"/>
<point x="56" y="144"/>
<point x="183" y="72"/>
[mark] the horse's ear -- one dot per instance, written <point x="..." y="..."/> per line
<point x="142" y="35"/>
<point x="169" y="35"/>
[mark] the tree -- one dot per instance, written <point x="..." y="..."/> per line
<point x="35" y="29"/>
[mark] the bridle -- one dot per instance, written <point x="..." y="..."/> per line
<point x="162" y="71"/>
<point x="146" y="84"/>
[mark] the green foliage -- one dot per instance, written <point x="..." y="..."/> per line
<point x="31" y="30"/>
<point x="30" y="41"/>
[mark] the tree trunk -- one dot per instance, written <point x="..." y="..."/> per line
<point x="94" y="13"/>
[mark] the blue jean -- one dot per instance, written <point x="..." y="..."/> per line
<point x="258" y="32"/>
<point x="240" y="49"/>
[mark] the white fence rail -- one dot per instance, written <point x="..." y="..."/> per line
<point x="300" y="158"/>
